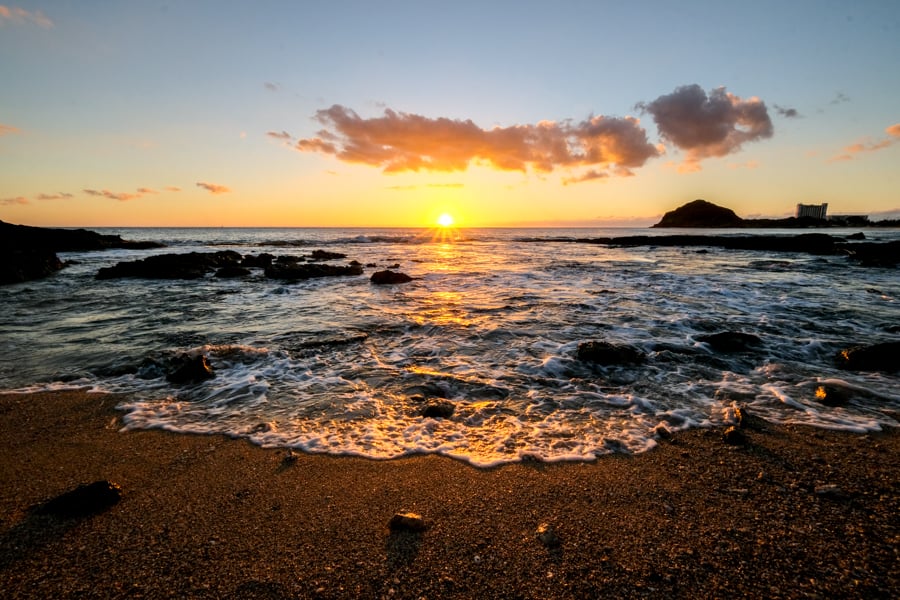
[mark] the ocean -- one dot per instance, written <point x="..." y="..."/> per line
<point x="488" y="330"/>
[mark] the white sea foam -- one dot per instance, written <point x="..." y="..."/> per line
<point x="490" y="328"/>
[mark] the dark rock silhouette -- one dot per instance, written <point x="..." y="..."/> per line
<point x="389" y="277"/>
<point x="30" y="252"/>
<point x="700" y="213"/>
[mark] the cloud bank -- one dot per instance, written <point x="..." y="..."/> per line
<point x="702" y="125"/>
<point x="707" y="126"/>
<point x="397" y="142"/>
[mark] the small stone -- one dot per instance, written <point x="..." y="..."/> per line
<point x="407" y="521"/>
<point x="547" y="536"/>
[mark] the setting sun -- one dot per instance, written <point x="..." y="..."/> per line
<point x="445" y="220"/>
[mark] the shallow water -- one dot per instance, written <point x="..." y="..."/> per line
<point x="491" y="324"/>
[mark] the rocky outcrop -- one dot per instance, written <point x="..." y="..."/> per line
<point x="389" y="277"/>
<point x="191" y="265"/>
<point x="30" y="252"/>
<point x="606" y="354"/>
<point x="64" y="240"/>
<point x="700" y="213"/>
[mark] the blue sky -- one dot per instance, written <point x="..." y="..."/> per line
<point x="103" y="100"/>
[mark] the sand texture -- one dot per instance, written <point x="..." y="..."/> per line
<point x="794" y="512"/>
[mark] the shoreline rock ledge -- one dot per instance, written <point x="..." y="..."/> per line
<point x="28" y="253"/>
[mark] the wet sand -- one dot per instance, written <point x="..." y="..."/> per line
<point x="795" y="512"/>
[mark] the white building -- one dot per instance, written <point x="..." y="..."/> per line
<point x="816" y="211"/>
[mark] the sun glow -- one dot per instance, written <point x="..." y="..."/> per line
<point x="445" y="220"/>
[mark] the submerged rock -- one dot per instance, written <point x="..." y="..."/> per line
<point x="604" y="353"/>
<point x="389" y="277"/>
<point x="730" y="341"/>
<point x="190" y="369"/>
<point x="85" y="500"/>
<point x="407" y="521"/>
<point x="295" y="272"/>
<point x="259" y="260"/>
<point x="441" y="409"/>
<point x="830" y="395"/>
<point x="877" y="357"/>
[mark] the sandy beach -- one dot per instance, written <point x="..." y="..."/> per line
<point x="794" y="512"/>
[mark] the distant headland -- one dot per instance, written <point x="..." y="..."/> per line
<point x="703" y="214"/>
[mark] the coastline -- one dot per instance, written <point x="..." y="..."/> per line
<point x="795" y="512"/>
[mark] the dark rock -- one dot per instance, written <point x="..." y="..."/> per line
<point x="63" y="240"/>
<point x="830" y="395"/>
<point x="734" y="436"/>
<point x="355" y="263"/>
<point x="389" y="277"/>
<point x="84" y="501"/>
<point x="547" y="535"/>
<point x="190" y="369"/>
<point x="232" y="271"/>
<point x="731" y="341"/>
<point x="191" y="265"/>
<point x="30" y="252"/>
<point x="289" y="260"/>
<point x="604" y="353"/>
<point x="371" y="265"/>
<point x="700" y="213"/>
<point x="394" y="266"/>
<point x="874" y="254"/>
<point x="18" y="265"/>
<point x="877" y="357"/>
<point x="407" y="521"/>
<point x="259" y="261"/>
<point x="309" y="271"/>
<point x="438" y="410"/>
<point x="325" y="255"/>
<point x="856" y="236"/>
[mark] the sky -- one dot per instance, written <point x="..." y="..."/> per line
<point x="362" y="114"/>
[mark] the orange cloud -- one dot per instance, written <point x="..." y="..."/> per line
<point x="144" y="190"/>
<point x="707" y="126"/>
<point x="213" y="188"/>
<point x="12" y="201"/>
<point x="8" y="129"/>
<point x="398" y="142"/>
<point x="18" y="16"/>
<point x="869" y="145"/>
<point x="172" y="188"/>
<point x="279" y="135"/>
